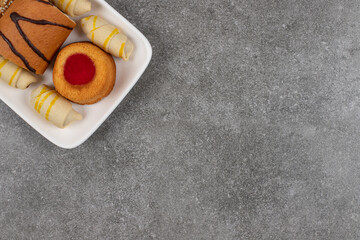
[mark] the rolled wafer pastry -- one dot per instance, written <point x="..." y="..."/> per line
<point x="107" y="36"/>
<point x="15" y="76"/>
<point x="73" y="7"/>
<point x="51" y="105"/>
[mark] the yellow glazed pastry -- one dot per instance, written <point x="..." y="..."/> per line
<point x="108" y="37"/>
<point x="73" y="7"/>
<point x="53" y="106"/>
<point x="15" y="76"/>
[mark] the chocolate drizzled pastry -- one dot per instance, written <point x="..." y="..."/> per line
<point x="31" y="31"/>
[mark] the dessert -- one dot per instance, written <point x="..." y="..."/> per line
<point x="73" y="7"/>
<point x="53" y="107"/>
<point x="83" y="73"/>
<point x="107" y="36"/>
<point x="31" y="31"/>
<point x="15" y="76"/>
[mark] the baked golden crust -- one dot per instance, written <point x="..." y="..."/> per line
<point x="31" y="32"/>
<point x="102" y="83"/>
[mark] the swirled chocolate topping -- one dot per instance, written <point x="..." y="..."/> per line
<point x="15" y="17"/>
<point x="46" y="2"/>
<point x="17" y="53"/>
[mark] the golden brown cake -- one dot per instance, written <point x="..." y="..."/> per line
<point x="31" y="32"/>
<point x="84" y="73"/>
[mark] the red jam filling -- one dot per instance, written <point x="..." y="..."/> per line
<point x="79" y="69"/>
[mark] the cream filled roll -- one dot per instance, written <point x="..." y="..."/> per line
<point x="73" y="7"/>
<point x="14" y="75"/>
<point x="107" y="37"/>
<point x="51" y="105"/>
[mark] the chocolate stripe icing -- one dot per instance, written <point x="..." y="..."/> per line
<point x="46" y="2"/>
<point x="17" y="53"/>
<point x="15" y="17"/>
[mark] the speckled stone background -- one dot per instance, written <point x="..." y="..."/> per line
<point x="246" y="125"/>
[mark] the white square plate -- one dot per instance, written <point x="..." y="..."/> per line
<point x="127" y="74"/>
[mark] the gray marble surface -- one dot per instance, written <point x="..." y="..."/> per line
<point x="244" y="126"/>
